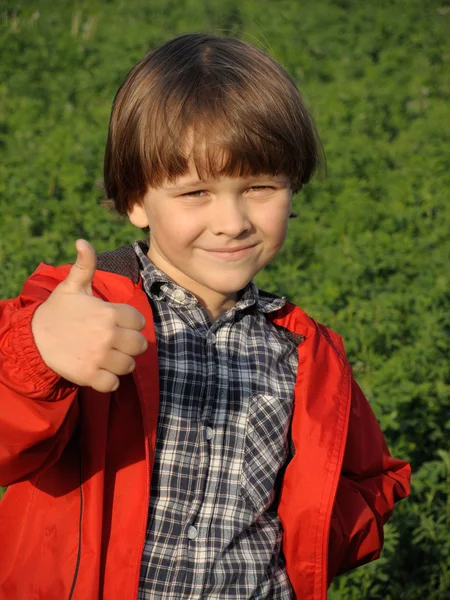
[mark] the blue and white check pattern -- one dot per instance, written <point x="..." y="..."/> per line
<point x="225" y="409"/>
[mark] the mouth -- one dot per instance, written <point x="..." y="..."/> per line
<point x="231" y="255"/>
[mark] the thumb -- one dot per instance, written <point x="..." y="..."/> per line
<point x="82" y="272"/>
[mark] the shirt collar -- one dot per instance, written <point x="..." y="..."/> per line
<point x="159" y="285"/>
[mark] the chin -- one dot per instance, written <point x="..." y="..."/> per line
<point x="228" y="288"/>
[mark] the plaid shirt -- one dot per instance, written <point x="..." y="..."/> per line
<point x="225" y="409"/>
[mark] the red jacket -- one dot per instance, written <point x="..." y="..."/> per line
<point x="73" y="522"/>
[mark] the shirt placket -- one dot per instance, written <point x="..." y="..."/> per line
<point x="212" y="430"/>
<point x="196" y="541"/>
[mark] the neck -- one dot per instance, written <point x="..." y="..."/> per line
<point x="215" y="307"/>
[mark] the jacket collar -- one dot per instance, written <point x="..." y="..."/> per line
<point x="122" y="261"/>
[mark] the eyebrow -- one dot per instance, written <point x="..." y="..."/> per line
<point x="189" y="183"/>
<point x="201" y="182"/>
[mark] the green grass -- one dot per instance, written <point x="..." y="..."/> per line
<point x="368" y="254"/>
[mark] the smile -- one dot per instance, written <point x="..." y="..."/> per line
<point x="231" y="255"/>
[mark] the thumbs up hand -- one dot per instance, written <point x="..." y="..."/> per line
<point x="82" y="338"/>
<point x="82" y="273"/>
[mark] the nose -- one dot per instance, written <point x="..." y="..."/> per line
<point x="230" y="216"/>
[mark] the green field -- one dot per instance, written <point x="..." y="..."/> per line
<point x="368" y="254"/>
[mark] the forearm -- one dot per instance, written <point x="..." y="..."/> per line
<point x="361" y="508"/>
<point x="371" y="482"/>
<point x="38" y="410"/>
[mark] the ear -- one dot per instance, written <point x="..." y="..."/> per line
<point x="138" y="216"/>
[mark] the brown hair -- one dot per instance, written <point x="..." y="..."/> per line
<point x="224" y="102"/>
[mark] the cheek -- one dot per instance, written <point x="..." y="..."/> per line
<point x="274" y="224"/>
<point x="280" y="234"/>
<point x="176" y="231"/>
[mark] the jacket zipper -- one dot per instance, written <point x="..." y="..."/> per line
<point x="80" y="527"/>
<point x="147" y="461"/>
<point x="333" y="488"/>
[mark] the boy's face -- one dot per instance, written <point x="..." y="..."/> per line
<point x="194" y="221"/>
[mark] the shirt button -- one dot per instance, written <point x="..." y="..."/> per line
<point x="209" y="433"/>
<point x="179" y="295"/>
<point x="211" y="337"/>
<point x="192" y="532"/>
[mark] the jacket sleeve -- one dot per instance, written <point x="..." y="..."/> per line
<point x="371" y="482"/>
<point x="38" y="408"/>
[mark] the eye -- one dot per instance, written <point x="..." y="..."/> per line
<point x="194" y="194"/>
<point x="261" y="188"/>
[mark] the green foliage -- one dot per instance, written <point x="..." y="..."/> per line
<point x="368" y="254"/>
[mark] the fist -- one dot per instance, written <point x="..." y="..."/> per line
<point x="87" y="341"/>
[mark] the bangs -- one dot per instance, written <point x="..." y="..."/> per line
<point x="218" y="102"/>
<point x="217" y="148"/>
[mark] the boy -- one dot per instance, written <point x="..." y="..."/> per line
<point x="167" y="429"/>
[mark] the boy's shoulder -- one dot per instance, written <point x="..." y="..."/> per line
<point x="300" y="326"/>
<point x="122" y="261"/>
